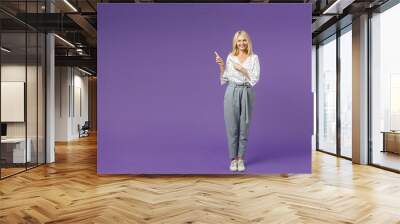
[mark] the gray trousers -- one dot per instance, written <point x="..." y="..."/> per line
<point x="238" y="103"/>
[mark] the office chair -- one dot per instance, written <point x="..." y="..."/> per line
<point x="84" y="130"/>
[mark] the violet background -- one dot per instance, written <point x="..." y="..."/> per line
<point x="160" y="104"/>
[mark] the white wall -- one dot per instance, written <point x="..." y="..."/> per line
<point x="62" y="80"/>
<point x="12" y="101"/>
<point x="314" y="91"/>
<point x="14" y="73"/>
<point x="33" y="127"/>
<point x="70" y="84"/>
<point x="17" y="72"/>
<point x="80" y="103"/>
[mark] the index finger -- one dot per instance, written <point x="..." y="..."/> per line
<point x="216" y="54"/>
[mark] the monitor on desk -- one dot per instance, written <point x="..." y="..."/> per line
<point x="3" y="130"/>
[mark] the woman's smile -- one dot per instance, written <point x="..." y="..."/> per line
<point x="242" y="43"/>
<point x="242" y="47"/>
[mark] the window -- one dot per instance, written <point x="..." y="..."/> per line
<point x="327" y="95"/>
<point x="385" y="88"/>
<point x="346" y="92"/>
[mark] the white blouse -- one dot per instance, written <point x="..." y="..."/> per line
<point x="251" y="64"/>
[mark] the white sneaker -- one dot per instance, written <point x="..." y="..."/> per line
<point x="240" y="165"/>
<point x="233" y="166"/>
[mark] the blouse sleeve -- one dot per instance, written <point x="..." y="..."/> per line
<point x="224" y="76"/>
<point x="254" y="72"/>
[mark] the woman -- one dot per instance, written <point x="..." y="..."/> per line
<point x="242" y="72"/>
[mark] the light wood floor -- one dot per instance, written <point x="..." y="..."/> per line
<point x="5" y="172"/>
<point x="387" y="159"/>
<point x="70" y="191"/>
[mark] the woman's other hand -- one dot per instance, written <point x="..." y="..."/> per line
<point x="242" y="70"/>
<point x="218" y="59"/>
<point x="238" y="67"/>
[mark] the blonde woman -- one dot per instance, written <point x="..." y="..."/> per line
<point x="241" y="72"/>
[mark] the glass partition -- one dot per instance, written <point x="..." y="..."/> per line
<point x="41" y="91"/>
<point x="385" y="89"/>
<point x="14" y="153"/>
<point x="346" y="93"/>
<point x="22" y="101"/>
<point x="327" y="95"/>
<point x="32" y="95"/>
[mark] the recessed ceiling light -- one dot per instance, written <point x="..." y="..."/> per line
<point x="70" y="5"/>
<point x="5" y="50"/>
<point x="64" y="40"/>
<point x="328" y="10"/>
<point x="84" y="71"/>
<point x="337" y="7"/>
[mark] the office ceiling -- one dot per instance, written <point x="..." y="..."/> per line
<point x="76" y="21"/>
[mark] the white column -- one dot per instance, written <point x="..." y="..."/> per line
<point x="50" y="91"/>
<point x="314" y="91"/>
<point x="360" y="90"/>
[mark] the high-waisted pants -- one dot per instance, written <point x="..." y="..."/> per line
<point x="238" y="104"/>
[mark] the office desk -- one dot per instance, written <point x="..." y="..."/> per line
<point x="391" y="141"/>
<point x="13" y="150"/>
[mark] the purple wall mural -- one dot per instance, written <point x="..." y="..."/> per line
<point x="160" y="103"/>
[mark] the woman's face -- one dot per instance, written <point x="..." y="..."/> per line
<point x="242" y="43"/>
